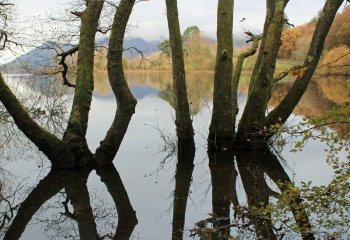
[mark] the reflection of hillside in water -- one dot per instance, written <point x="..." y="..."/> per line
<point x="322" y="94"/>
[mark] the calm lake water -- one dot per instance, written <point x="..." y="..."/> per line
<point x="148" y="174"/>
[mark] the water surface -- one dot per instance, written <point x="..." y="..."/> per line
<point x="148" y="176"/>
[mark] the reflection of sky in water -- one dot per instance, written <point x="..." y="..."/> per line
<point x="150" y="191"/>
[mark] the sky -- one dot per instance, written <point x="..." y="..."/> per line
<point x="149" y="17"/>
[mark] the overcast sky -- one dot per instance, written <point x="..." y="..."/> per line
<point x="149" y="16"/>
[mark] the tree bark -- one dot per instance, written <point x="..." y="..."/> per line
<point x="253" y="118"/>
<point x="270" y="9"/>
<point x="78" y="120"/>
<point x="58" y="153"/>
<point x="183" y="120"/>
<point x="281" y="113"/>
<point x="237" y="74"/>
<point x="125" y="100"/>
<point x="221" y="128"/>
<point x="73" y="150"/>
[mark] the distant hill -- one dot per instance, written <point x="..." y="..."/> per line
<point x="146" y="47"/>
<point x="39" y="57"/>
<point x="44" y="56"/>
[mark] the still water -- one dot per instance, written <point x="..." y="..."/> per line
<point x="165" y="190"/>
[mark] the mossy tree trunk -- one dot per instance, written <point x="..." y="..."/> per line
<point x="72" y="150"/>
<point x="238" y="71"/>
<point x="253" y="118"/>
<point x="270" y="9"/>
<point x="183" y="119"/>
<point x="78" y="120"/>
<point x="281" y="113"/>
<point x="49" y="144"/>
<point x="125" y="100"/>
<point x="254" y="124"/>
<point x="221" y="127"/>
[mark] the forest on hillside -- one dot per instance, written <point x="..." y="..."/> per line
<point x="200" y="50"/>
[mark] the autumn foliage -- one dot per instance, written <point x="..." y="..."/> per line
<point x="296" y="40"/>
<point x="289" y="39"/>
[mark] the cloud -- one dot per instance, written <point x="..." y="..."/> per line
<point x="150" y="16"/>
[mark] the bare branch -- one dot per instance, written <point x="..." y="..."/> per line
<point x="76" y="13"/>
<point x="285" y="73"/>
<point x="63" y="56"/>
<point x="334" y="61"/>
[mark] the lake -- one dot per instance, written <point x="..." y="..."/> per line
<point x="171" y="195"/>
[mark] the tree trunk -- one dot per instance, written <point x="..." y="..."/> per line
<point x="237" y="74"/>
<point x="253" y="118"/>
<point x="183" y="120"/>
<point x="221" y="127"/>
<point x="270" y="9"/>
<point x="73" y="150"/>
<point x="281" y="113"/>
<point x="78" y="120"/>
<point x="125" y="100"/>
<point x="58" y="152"/>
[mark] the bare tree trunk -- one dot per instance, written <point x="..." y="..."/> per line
<point x="183" y="120"/>
<point x="125" y="100"/>
<point x="78" y="120"/>
<point x="48" y="143"/>
<point x="270" y="9"/>
<point x="221" y="127"/>
<point x="253" y="118"/>
<point x="73" y="150"/>
<point x="281" y="113"/>
<point x="238" y="71"/>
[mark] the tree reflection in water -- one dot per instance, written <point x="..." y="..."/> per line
<point x="78" y="220"/>
<point x="74" y="183"/>
<point x="251" y="221"/>
<point x="229" y="216"/>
